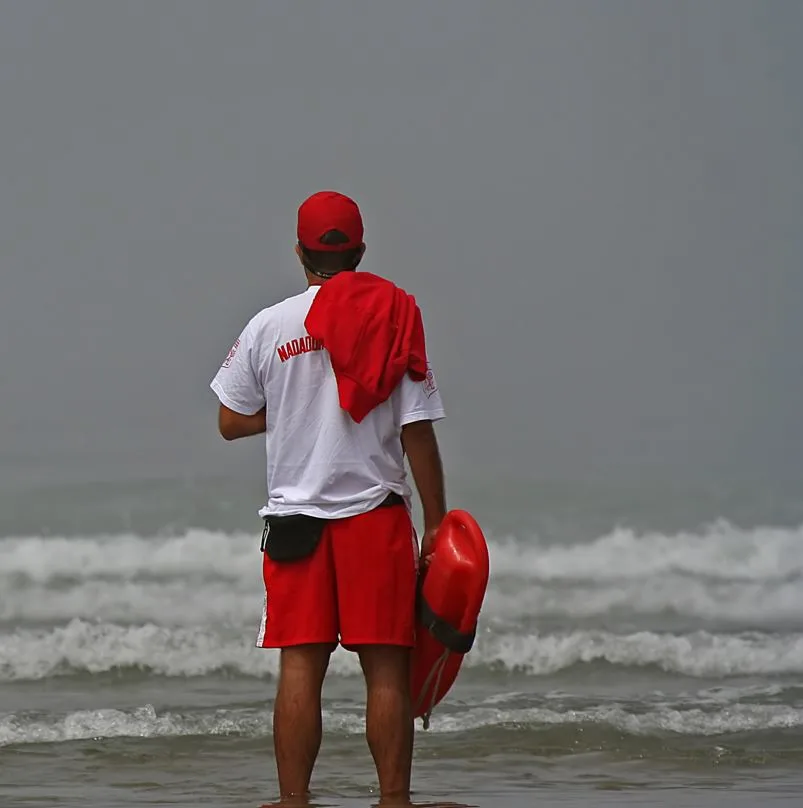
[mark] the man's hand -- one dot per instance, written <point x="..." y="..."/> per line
<point x="233" y="425"/>
<point x="427" y="546"/>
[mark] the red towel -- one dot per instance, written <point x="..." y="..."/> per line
<point x="373" y="332"/>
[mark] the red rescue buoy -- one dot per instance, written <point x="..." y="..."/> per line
<point x="451" y="592"/>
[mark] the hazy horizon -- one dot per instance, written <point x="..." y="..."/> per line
<point x="598" y="209"/>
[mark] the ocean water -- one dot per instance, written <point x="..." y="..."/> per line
<point x="637" y="646"/>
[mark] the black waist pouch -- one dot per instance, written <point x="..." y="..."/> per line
<point x="291" y="538"/>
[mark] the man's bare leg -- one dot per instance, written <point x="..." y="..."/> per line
<point x="297" y="725"/>
<point x="389" y="716"/>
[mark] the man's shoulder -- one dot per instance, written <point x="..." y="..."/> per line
<point x="269" y="315"/>
<point x="298" y="302"/>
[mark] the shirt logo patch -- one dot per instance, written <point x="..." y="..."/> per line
<point x="429" y="384"/>
<point x="232" y="353"/>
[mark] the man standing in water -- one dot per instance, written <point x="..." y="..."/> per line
<point x="337" y="377"/>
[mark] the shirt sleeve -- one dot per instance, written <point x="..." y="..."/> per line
<point x="421" y="401"/>
<point x="236" y="383"/>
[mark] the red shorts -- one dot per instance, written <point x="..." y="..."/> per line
<point x="358" y="587"/>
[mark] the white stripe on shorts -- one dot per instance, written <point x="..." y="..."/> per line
<point x="263" y="623"/>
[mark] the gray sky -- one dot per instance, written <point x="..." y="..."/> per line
<point x="597" y="205"/>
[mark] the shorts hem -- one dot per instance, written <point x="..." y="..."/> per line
<point x="268" y="645"/>
<point x="349" y="644"/>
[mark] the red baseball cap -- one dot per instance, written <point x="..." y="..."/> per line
<point x="328" y="211"/>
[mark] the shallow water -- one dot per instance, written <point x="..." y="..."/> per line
<point x="631" y="665"/>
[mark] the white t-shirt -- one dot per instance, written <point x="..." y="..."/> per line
<point x="319" y="461"/>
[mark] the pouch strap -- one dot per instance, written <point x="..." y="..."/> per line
<point x="391" y="499"/>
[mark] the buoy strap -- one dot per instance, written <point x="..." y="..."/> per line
<point x="457" y="642"/>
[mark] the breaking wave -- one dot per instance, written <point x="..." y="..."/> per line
<point x="82" y="647"/>
<point x="146" y="722"/>
<point x="202" y="577"/>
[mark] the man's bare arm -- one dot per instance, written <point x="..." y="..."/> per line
<point x="232" y="425"/>
<point x="421" y="447"/>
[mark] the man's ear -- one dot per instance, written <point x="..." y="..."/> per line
<point x="300" y="256"/>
